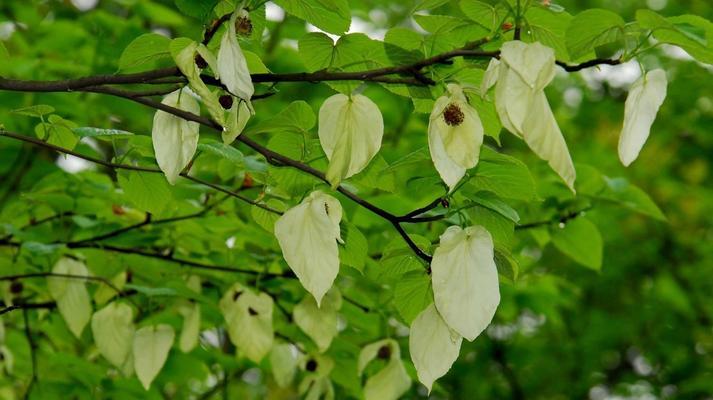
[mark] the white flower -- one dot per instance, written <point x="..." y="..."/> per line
<point x="350" y="132"/>
<point x="308" y="235"/>
<point x="184" y="53"/>
<point x="465" y="280"/>
<point x="524" y="72"/>
<point x="175" y="139"/>
<point x="455" y="135"/>
<point x="645" y="98"/>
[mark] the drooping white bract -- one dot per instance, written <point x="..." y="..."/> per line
<point x="248" y="317"/>
<point x="642" y="104"/>
<point x="175" y="139"/>
<point x="390" y="382"/>
<point x="350" y="132"/>
<point x="465" y="280"/>
<point x="150" y="350"/>
<point x="113" y="331"/>
<point x="70" y="294"/>
<point x="232" y="65"/>
<point x="283" y="363"/>
<point x="308" y="235"/>
<point x="319" y="323"/>
<point x="434" y="347"/>
<point x="524" y="72"/>
<point x="455" y="134"/>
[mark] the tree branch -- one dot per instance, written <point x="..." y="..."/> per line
<point x="113" y="165"/>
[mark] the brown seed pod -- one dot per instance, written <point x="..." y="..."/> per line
<point x="226" y="101"/>
<point x="243" y="26"/>
<point x="200" y="61"/>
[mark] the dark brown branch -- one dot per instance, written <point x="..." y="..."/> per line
<point x="588" y="64"/>
<point x="410" y="217"/>
<point x="26" y="306"/>
<point x="113" y="165"/>
<point x="214" y="27"/>
<point x="562" y="219"/>
<point x="33" y="351"/>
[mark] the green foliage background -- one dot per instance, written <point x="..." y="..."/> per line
<point x="569" y="326"/>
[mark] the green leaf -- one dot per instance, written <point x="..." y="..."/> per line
<point x="144" y="49"/>
<point x="147" y="191"/>
<point x="592" y="28"/>
<point x="508" y="266"/>
<point x="548" y="28"/>
<point x="581" y="241"/>
<point x="355" y="249"/>
<point x="296" y="117"/>
<point x="620" y="191"/>
<point x="333" y="16"/>
<point x="690" y="32"/>
<point x="316" y="50"/>
<point x="412" y="294"/>
<point x="57" y="131"/>
<point x="493" y="202"/>
<point x="221" y="150"/>
<point x="199" y="9"/>
<point x="36" y="111"/>
<point x="482" y="14"/>
<point x="503" y="175"/>
<point x="99" y="133"/>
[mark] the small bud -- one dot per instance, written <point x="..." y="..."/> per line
<point x="226" y="101"/>
<point x="384" y="352"/>
<point x="445" y="203"/>
<point x="16" y="287"/>
<point x="311" y="365"/>
<point x="507" y="26"/>
<point x="117" y="209"/>
<point x="248" y="181"/>
<point x="244" y="26"/>
<point x="200" y="61"/>
<point x="453" y="115"/>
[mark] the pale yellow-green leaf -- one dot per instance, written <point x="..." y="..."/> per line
<point x="150" y="350"/>
<point x="465" y="280"/>
<point x="174" y="139"/>
<point x="434" y="347"/>
<point x="283" y="361"/>
<point x="237" y="118"/>
<point x="113" y="331"/>
<point x="350" y="132"/>
<point x="308" y="235"/>
<point x="104" y="292"/>
<point x="455" y="134"/>
<point x="645" y="98"/>
<point x="184" y="53"/>
<point x="232" y="66"/>
<point x="191" y="327"/>
<point x="319" y="323"/>
<point x="490" y="78"/>
<point x="70" y="294"/>
<point x="248" y="317"/>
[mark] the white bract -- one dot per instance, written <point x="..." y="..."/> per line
<point x="232" y="66"/>
<point x="308" y="235"/>
<point x="455" y="134"/>
<point x="434" y="347"/>
<point x="283" y="360"/>
<point x="524" y="71"/>
<point x="350" y="131"/>
<point x="642" y="104"/>
<point x="175" y="139"/>
<point x="319" y="323"/>
<point x="465" y="280"/>
<point x="150" y="350"/>
<point x="248" y="317"/>
<point x="113" y="331"/>
<point x="390" y="382"/>
<point x="70" y="294"/>
<point x="191" y="312"/>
